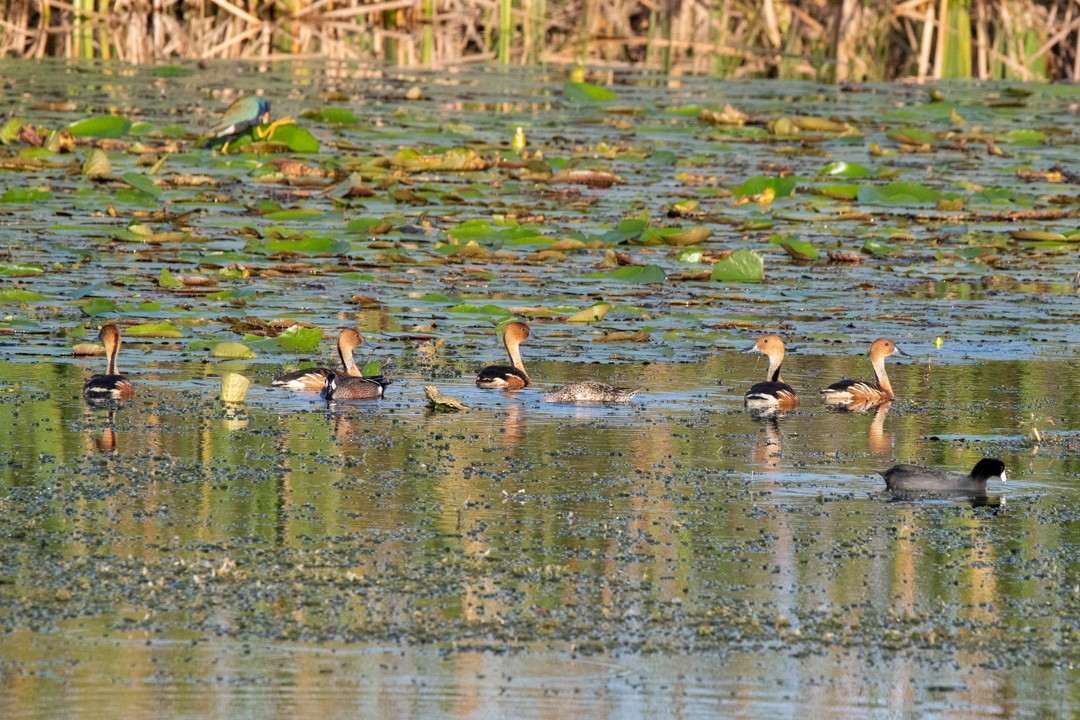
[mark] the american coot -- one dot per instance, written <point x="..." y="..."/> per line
<point x="859" y="391"/>
<point x="315" y="378"/>
<point x="112" y="385"/>
<point x="774" y="392"/>
<point x="512" y="376"/>
<point x="916" y="478"/>
<point x="347" y="387"/>
<point x="590" y="391"/>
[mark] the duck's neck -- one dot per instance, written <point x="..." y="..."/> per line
<point x="513" y="349"/>
<point x="882" y="376"/>
<point x="111" y="352"/>
<point x="346" y="355"/>
<point x="774" y="368"/>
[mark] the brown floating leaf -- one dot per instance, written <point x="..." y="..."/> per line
<point x="728" y="116"/>
<point x="88" y="350"/>
<point x="1050" y="176"/>
<point x="842" y="256"/>
<point x="298" y="168"/>
<point x="638" y="336"/>
<point x="591" y="178"/>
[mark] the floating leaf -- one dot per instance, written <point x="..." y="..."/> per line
<point x="633" y="274"/>
<point x="743" y="265"/>
<point x="295" y="138"/>
<point x="844" y="169"/>
<point x="783" y="187"/>
<point x="233" y="350"/>
<point x="142" y="183"/>
<point x="234" y="387"/>
<point x="439" y="402"/>
<point x="690" y="236"/>
<point x="626" y="230"/>
<point x="1037" y="235"/>
<point x="157" y="330"/>
<point x="796" y="248"/>
<point x="454" y="160"/>
<point x="294" y="214"/>
<point x="10" y="131"/>
<point x="587" y="92"/>
<point x="166" y="279"/>
<point x="19" y="295"/>
<point x="334" y="115"/>
<point x="97" y="164"/>
<point x="26" y="195"/>
<point x="103" y="126"/>
<point x="901" y="192"/>
<point x="99" y="306"/>
<point x="20" y="270"/>
<point x="295" y="339"/>
<point x="595" y="313"/>
<point x="838" y="192"/>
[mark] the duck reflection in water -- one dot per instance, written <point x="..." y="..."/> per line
<point x="769" y="452"/>
<point x="105" y="441"/>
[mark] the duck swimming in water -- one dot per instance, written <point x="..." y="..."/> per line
<point x="314" y="379"/>
<point x="916" y="478"/>
<point x="348" y="387"/>
<point x="512" y="376"/>
<point x="774" y="393"/>
<point x="590" y="391"/>
<point x="864" y="393"/>
<point x="112" y="385"/>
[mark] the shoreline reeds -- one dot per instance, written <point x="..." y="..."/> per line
<point x="837" y="41"/>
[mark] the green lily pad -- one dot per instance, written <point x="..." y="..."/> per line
<point x="234" y="351"/>
<point x="743" y="265"/>
<point x="294" y="340"/>
<point x="899" y="193"/>
<point x="595" y="313"/>
<point x="844" y="169"/>
<point x="156" y="330"/>
<point x="587" y="92"/>
<point x="142" y="183"/>
<point x="333" y="115"/>
<point x="295" y="138"/>
<point x="26" y="195"/>
<point x="633" y="274"/>
<point x="19" y="295"/>
<point x="796" y="248"/>
<point x="99" y="306"/>
<point x="783" y="187"/>
<point x="102" y="126"/>
<point x="166" y="279"/>
<point x="20" y="270"/>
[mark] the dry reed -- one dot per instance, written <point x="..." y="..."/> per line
<point x="839" y="40"/>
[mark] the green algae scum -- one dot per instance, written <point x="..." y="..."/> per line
<point x="176" y="556"/>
